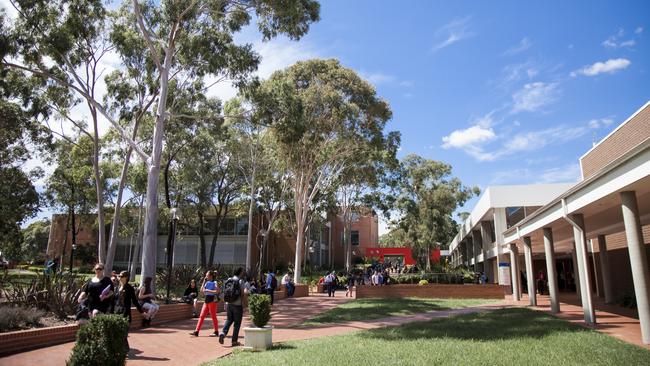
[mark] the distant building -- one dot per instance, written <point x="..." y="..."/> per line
<point x="323" y="247"/>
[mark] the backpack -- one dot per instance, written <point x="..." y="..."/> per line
<point x="274" y="283"/>
<point x="231" y="290"/>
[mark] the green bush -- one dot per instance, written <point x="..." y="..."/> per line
<point x="14" y="318"/>
<point x="101" y="342"/>
<point x="55" y="293"/>
<point x="423" y="282"/>
<point x="259" y="307"/>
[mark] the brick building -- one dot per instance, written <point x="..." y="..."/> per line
<point x="230" y="247"/>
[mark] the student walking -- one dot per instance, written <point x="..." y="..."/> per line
<point x="210" y="289"/>
<point x="271" y="284"/>
<point x="124" y="300"/>
<point x="331" y="283"/>
<point x="234" y="291"/>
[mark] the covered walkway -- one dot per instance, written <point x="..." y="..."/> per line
<point x="615" y="321"/>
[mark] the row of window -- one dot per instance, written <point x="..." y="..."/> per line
<point x="229" y="226"/>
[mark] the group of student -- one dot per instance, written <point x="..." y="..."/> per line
<point x="234" y="290"/>
<point x="233" y="294"/>
<point x="104" y="295"/>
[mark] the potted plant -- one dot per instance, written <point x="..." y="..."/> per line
<point x="259" y="337"/>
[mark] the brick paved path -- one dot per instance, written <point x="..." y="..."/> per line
<point x="170" y="343"/>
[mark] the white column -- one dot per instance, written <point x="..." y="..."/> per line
<point x="530" y="275"/>
<point x="605" y="270"/>
<point x="551" y="270"/>
<point x="478" y="244"/>
<point x="500" y="225"/>
<point x="638" y="260"/>
<point x="583" y="269"/>
<point x="514" y="270"/>
<point x="487" y="240"/>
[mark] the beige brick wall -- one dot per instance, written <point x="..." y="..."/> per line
<point x="635" y="131"/>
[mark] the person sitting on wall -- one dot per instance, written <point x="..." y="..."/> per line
<point x="191" y="296"/>
<point x="287" y="282"/>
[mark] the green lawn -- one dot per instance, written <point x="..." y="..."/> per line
<point x="364" y="309"/>
<point x="502" y="337"/>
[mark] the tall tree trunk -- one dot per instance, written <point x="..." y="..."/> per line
<point x="99" y="189"/>
<point x="138" y="243"/>
<point x="213" y="245"/>
<point x="201" y="239"/>
<point x="348" y="239"/>
<point x="150" y="242"/>
<point x="115" y="225"/>
<point x="251" y="207"/>
<point x="428" y="257"/>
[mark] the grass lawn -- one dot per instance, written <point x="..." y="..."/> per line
<point x="502" y="337"/>
<point x="364" y="309"/>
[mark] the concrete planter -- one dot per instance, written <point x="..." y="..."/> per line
<point x="258" y="339"/>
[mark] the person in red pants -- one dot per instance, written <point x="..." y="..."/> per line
<point x="210" y="289"/>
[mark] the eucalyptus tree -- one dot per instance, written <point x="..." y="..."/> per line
<point x="429" y="196"/>
<point x="322" y="116"/>
<point x="65" y="42"/>
<point x="188" y="40"/>
<point x="70" y="186"/>
<point x="192" y="40"/>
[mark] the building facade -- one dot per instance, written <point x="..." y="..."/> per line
<point x="593" y="238"/>
<point x="323" y="244"/>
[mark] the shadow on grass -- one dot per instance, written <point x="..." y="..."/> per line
<point x="486" y="326"/>
<point x="366" y="309"/>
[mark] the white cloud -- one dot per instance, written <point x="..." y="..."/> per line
<point x="609" y="66"/>
<point x="377" y="77"/>
<point x="568" y="173"/>
<point x="534" y="96"/>
<point x="473" y="140"/>
<point x="522" y="46"/>
<point x="565" y="174"/>
<point x="600" y="123"/>
<point x="276" y="54"/>
<point x="467" y="137"/>
<point x="616" y="41"/>
<point x="453" y="32"/>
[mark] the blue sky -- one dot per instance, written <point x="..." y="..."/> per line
<point x="507" y="92"/>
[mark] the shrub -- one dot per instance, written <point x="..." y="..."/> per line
<point x="423" y="282"/>
<point x="13" y="318"/>
<point x="101" y="342"/>
<point x="260" y="309"/>
<point x="57" y="292"/>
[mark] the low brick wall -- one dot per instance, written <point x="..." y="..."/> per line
<point x="438" y="291"/>
<point x="301" y="291"/>
<point x="24" y="340"/>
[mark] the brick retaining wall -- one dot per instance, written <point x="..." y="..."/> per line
<point x="23" y="340"/>
<point x="439" y="291"/>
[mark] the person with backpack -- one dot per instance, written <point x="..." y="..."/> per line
<point x="271" y="284"/>
<point x="331" y="282"/>
<point x="234" y="290"/>
<point x="210" y="289"/>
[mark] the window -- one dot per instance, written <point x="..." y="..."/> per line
<point x="242" y="226"/>
<point x="227" y="226"/>
<point x="514" y="215"/>
<point x="354" y="238"/>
